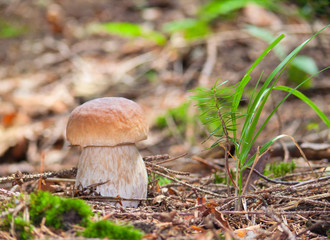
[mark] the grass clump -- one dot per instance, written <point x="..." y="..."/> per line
<point x="104" y="228"/>
<point x="220" y="112"/>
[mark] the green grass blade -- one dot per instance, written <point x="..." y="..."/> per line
<point x="263" y="149"/>
<point x="247" y="78"/>
<point x="302" y="97"/>
<point x="280" y="103"/>
<point x="261" y="98"/>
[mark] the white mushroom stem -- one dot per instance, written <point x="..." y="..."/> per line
<point x="122" y="166"/>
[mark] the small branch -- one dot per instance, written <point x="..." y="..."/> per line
<point x="171" y="159"/>
<point x="19" y="177"/>
<point x="166" y="169"/>
<point x="285" y="228"/>
<point x="278" y="212"/>
<point x="113" y="199"/>
<point x="211" y="45"/>
<point x="156" y="158"/>
<point x="188" y="185"/>
<point x="306" y="200"/>
<point x="272" y="180"/>
<point x="210" y="165"/>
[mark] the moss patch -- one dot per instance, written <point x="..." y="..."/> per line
<point x="104" y="228"/>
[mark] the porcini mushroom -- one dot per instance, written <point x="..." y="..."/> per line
<point x="107" y="130"/>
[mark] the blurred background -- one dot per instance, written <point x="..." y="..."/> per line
<point x="58" y="54"/>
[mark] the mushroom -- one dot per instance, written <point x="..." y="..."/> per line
<point x="107" y="130"/>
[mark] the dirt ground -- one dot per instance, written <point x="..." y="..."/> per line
<point x="58" y="64"/>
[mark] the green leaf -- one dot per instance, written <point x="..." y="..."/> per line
<point x="305" y="99"/>
<point x="179" y="25"/>
<point x="248" y="133"/>
<point x="305" y="64"/>
<point x="121" y="28"/>
<point x="131" y="30"/>
<point x="216" y="8"/>
<point x="300" y="68"/>
<point x="267" y="36"/>
<point x="10" y="30"/>
<point x="263" y="149"/>
<point x="191" y="28"/>
<point x="248" y="128"/>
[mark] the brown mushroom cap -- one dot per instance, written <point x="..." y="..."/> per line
<point x="107" y="121"/>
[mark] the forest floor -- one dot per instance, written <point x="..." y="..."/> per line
<point x="57" y="64"/>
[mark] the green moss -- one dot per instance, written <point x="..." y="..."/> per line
<point x="104" y="228"/>
<point x="280" y="169"/>
<point x="23" y="229"/>
<point x="59" y="212"/>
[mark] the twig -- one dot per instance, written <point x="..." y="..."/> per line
<point x="166" y="169"/>
<point x="188" y="185"/>
<point x="156" y="158"/>
<point x="278" y="212"/>
<point x="273" y="180"/>
<point x="112" y="198"/>
<point x="18" y="208"/>
<point x="29" y="177"/>
<point x="271" y="214"/>
<point x="300" y="173"/>
<point x="172" y="159"/>
<point x="211" y="45"/>
<point x="311" y="181"/>
<point x="306" y="200"/>
<point x="210" y="165"/>
<point x="62" y="173"/>
<point x="7" y="193"/>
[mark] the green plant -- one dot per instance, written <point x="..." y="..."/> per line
<point x="104" y="228"/>
<point x="9" y="30"/>
<point x="200" y="25"/>
<point x="192" y="28"/>
<point x="298" y="69"/>
<point x="309" y="9"/>
<point x="219" y="105"/>
<point x="21" y="227"/>
<point x="220" y="178"/>
<point x="161" y="180"/>
<point x="179" y="115"/>
<point x="312" y="126"/>
<point x="279" y="169"/>
<point x="131" y="30"/>
<point x="59" y="212"/>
